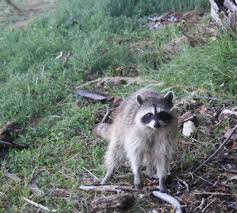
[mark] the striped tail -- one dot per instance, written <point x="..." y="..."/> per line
<point x="102" y="130"/>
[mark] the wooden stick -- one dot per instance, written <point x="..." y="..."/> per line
<point x="91" y="173"/>
<point x="168" y="198"/>
<point x="184" y="183"/>
<point x="208" y="205"/>
<point x="218" y="150"/>
<point x="201" y="206"/>
<point x="100" y="80"/>
<point x="120" y="201"/>
<point x="5" y="143"/>
<point x="106" y="188"/>
<point x="38" y="205"/>
<point x="213" y="193"/>
<point x="108" y="112"/>
<point x="15" y="145"/>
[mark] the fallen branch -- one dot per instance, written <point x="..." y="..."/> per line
<point x="96" y="178"/>
<point x="107" y="188"/>
<point x="100" y="81"/>
<point x="38" y="205"/>
<point x="118" y="80"/>
<point x="121" y="201"/>
<point x="14" y="145"/>
<point x="201" y="206"/>
<point x="213" y="193"/>
<point x="106" y="116"/>
<point x="184" y="183"/>
<point x="208" y="205"/>
<point x="218" y="150"/>
<point x="168" y="198"/>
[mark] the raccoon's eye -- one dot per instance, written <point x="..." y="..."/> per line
<point x="149" y="115"/>
<point x="164" y="116"/>
<point x="147" y="118"/>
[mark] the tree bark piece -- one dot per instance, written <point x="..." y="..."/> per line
<point x="106" y="188"/>
<point x="224" y="12"/>
<point x="215" y="12"/>
<point x="121" y="201"/>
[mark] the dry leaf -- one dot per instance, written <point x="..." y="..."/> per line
<point x="188" y="116"/>
<point x="93" y="96"/>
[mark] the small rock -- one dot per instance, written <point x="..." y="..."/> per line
<point x="188" y="128"/>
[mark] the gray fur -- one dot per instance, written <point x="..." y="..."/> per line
<point x="130" y="139"/>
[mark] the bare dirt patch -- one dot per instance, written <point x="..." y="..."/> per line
<point x="28" y="9"/>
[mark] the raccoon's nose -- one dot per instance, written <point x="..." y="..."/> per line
<point x="157" y="124"/>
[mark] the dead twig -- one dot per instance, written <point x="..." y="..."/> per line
<point x="38" y="205"/>
<point x="201" y="178"/>
<point x="218" y="150"/>
<point x="67" y="57"/>
<point x="208" y="205"/>
<point x="116" y="79"/>
<point x="107" y="79"/>
<point x="14" y="145"/>
<point x="184" y="183"/>
<point x="168" y="198"/>
<point x="108" y="112"/>
<point x="91" y="173"/>
<point x="107" y="188"/>
<point x="212" y="193"/>
<point x="201" y="206"/>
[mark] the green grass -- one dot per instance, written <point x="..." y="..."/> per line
<point x="212" y="68"/>
<point x="35" y="85"/>
<point x="150" y="7"/>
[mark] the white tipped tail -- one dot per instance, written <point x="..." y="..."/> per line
<point x="168" y="198"/>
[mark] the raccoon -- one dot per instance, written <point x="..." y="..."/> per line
<point x="144" y="133"/>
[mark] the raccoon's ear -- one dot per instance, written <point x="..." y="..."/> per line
<point x="169" y="96"/>
<point x="140" y="99"/>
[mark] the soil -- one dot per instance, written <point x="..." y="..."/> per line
<point x="29" y="10"/>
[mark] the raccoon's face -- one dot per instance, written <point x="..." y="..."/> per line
<point x="155" y="112"/>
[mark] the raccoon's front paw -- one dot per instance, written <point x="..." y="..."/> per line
<point x="137" y="184"/>
<point x="104" y="181"/>
<point x="163" y="188"/>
